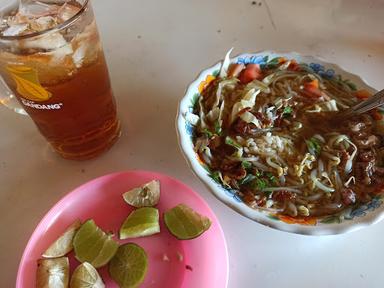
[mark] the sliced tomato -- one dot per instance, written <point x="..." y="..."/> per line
<point x="376" y="115"/>
<point x="250" y="73"/>
<point x="311" y="89"/>
<point x="293" y="66"/>
<point x="362" y="94"/>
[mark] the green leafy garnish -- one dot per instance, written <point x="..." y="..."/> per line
<point x="217" y="127"/>
<point x="246" y="164"/>
<point x="268" y="193"/>
<point x="259" y="184"/>
<point x="207" y="133"/>
<point x="273" y="63"/>
<point x="287" y="111"/>
<point x="314" y="146"/>
<point x="259" y="181"/>
<point x="351" y="85"/>
<point x="216" y="176"/>
<point x="229" y="141"/>
<point x="272" y="178"/>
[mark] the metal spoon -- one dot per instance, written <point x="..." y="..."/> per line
<point x="373" y="102"/>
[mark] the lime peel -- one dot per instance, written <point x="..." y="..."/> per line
<point x="63" y="245"/>
<point x="141" y="222"/>
<point x="93" y="245"/>
<point x="86" y="276"/>
<point x="184" y="223"/>
<point x="147" y="195"/>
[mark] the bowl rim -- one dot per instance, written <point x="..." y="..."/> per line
<point x="241" y="208"/>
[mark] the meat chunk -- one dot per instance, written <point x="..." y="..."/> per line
<point x="233" y="169"/>
<point x="214" y="142"/>
<point x="283" y="195"/>
<point x="356" y="127"/>
<point x="364" y="172"/>
<point x="367" y="156"/>
<point x="348" y="196"/>
<point x="367" y="142"/>
<point x="243" y="128"/>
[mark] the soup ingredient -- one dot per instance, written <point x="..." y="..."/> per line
<point x="263" y="128"/>
<point x="52" y="273"/>
<point x="63" y="245"/>
<point x="184" y="223"/>
<point x="86" y="276"/>
<point x="129" y="265"/>
<point x="93" y="245"/>
<point x="141" y="222"/>
<point x="147" y="195"/>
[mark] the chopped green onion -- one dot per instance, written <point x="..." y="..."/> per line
<point x="260" y="184"/>
<point x="314" y="146"/>
<point x="216" y="176"/>
<point x="272" y="178"/>
<point x="217" y="127"/>
<point x="287" y="112"/>
<point x="246" y="164"/>
<point x="207" y="133"/>
<point x="268" y="193"/>
<point x="259" y="174"/>
<point x="229" y="141"/>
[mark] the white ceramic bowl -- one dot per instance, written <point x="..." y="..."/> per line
<point x="349" y="220"/>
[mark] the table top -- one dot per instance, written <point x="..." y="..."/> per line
<point x="154" y="49"/>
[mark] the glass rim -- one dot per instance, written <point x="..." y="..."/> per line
<point x="56" y="28"/>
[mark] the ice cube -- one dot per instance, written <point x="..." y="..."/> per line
<point x="15" y="30"/>
<point x="47" y="41"/>
<point x="32" y="8"/>
<point x="60" y="53"/>
<point x="86" y="46"/>
<point x="66" y="12"/>
<point x="78" y="56"/>
<point x="43" y="23"/>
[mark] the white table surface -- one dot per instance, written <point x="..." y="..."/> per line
<point x="154" y="49"/>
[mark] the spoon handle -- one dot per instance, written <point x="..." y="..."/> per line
<point x="375" y="101"/>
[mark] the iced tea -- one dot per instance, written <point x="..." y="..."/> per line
<point x="57" y="70"/>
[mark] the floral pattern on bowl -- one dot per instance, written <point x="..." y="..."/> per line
<point x="347" y="220"/>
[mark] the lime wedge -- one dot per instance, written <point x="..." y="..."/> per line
<point x="141" y="222"/>
<point x="144" y="196"/>
<point x="86" y="276"/>
<point x="184" y="223"/>
<point x="129" y="265"/>
<point x="63" y="244"/>
<point x="93" y="245"/>
<point x="52" y="273"/>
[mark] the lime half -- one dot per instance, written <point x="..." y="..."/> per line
<point x="63" y="244"/>
<point x="184" y="223"/>
<point x="144" y="196"/>
<point x="86" y="276"/>
<point x="141" y="222"/>
<point x="93" y="245"/>
<point x="129" y="265"/>
<point x="52" y="273"/>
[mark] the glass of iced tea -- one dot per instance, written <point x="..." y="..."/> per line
<point x="53" y="69"/>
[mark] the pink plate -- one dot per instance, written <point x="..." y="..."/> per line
<point x="204" y="262"/>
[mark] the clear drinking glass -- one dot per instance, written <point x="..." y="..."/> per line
<point x="53" y="68"/>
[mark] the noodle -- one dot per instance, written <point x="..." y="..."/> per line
<point x="270" y="138"/>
